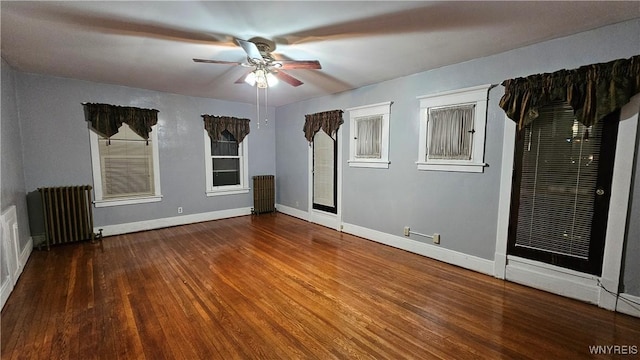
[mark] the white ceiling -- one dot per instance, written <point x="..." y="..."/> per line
<point x="150" y="45"/>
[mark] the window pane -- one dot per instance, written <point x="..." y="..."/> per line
<point x="226" y="146"/>
<point x="226" y="171"/>
<point x="368" y="131"/>
<point x="451" y="132"/>
<point x="222" y="178"/>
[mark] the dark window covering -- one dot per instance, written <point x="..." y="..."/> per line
<point x="593" y="91"/>
<point x="106" y="119"/>
<point x="329" y="121"/>
<point x="215" y="125"/>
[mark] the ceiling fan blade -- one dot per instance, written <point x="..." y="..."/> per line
<point x="299" y="64"/>
<point x="217" y="62"/>
<point x="251" y="49"/>
<point x="288" y="78"/>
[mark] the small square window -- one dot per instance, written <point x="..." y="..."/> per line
<point x="369" y="131"/>
<point x="452" y="129"/>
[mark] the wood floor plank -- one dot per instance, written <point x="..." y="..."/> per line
<point x="275" y="287"/>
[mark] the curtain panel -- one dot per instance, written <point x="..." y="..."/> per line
<point x="329" y="121"/>
<point x="215" y="125"/>
<point x="106" y="119"/>
<point x="593" y="91"/>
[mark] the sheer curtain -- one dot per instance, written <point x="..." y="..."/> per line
<point x="451" y="132"/>
<point x="368" y="136"/>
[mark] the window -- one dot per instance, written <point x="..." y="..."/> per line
<point x="125" y="168"/>
<point x="226" y="165"/>
<point x="369" y="130"/>
<point x="452" y="128"/>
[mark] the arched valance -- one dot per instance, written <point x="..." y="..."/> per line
<point x="106" y="119"/>
<point x="593" y="91"/>
<point x="329" y="121"/>
<point x="215" y="125"/>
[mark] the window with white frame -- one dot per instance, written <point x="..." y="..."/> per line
<point x="452" y="130"/>
<point x="125" y="167"/>
<point x="369" y="131"/>
<point x="226" y="165"/>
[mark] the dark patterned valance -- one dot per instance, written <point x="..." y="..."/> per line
<point x="593" y="91"/>
<point x="215" y="125"/>
<point x="106" y="119"/>
<point x="329" y="121"/>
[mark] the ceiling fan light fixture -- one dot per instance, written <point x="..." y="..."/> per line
<point x="250" y="78"/>
<point x="272" y="80"/>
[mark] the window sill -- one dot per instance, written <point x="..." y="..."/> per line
<point x="455" y="167"/>
<point x="222" y="191"/>
<point x="378" y="164"/>
<point x="127" y="201"/>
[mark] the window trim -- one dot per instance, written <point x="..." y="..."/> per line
<point x="476" y="95"/>
<point x="99" y="200"/>
<point x="243" y="187"/>
<point x="383" y="109"/>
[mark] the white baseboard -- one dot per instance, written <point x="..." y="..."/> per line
<point x="432" y="251"/>
<point x="628" y="307"/>
<point x="25" y="253"/>
<point x="125" y="228"/>
<point x="553" y="279"/>
<point x="293" y="212"/>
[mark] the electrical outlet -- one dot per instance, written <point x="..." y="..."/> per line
<point x="179" y="209"/>
<point x="436" y="238"/>
<point x="406" y="231"/>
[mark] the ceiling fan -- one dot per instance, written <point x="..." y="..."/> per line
<point x="265" y="66"/>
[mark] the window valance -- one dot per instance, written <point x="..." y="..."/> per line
<point x="593" y="91"/>
<point x="329" y="121"/>
<point x="215" y="125"/>
<point x="106" y="119"/>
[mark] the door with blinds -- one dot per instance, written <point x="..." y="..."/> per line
<point x="561" y="189"/>
<point x="324" y="171"/>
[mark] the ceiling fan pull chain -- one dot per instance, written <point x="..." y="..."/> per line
<point x="266" y="106"/>
<point x="258" y="105"/>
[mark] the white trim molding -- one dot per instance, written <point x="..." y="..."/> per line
<point x="13" y="257"/>
<point x="477" y="96"/>
<point x="355" y="113"/>
<point x="629" y="304"/>
<point x="453" y="257"/>
<point x="125" y="228"/>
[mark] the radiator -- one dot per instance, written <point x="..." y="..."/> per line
<point x="67" y="214"/>
<point x="264" y="199"/>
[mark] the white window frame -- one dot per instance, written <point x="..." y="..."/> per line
<point x="476" y="95"/>
<point x="380" y="109"/>
<point x="243" y="152"/>
<point x="100" y="201"/>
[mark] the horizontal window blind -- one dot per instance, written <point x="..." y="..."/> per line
<point x="126" y="165"/>
<point x="558" y="184"/>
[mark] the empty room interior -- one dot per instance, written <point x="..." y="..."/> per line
<point x="320" y="180"/>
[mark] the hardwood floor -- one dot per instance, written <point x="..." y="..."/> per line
<point x="275" y="287"/>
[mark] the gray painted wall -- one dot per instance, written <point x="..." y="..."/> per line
<point x="12" y="170"/>
<point x="389" y="199"/>
<point x="57" y="150"/>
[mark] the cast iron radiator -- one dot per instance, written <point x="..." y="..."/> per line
<point x="264" y="199"/>
<point x="67" y="214"/>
